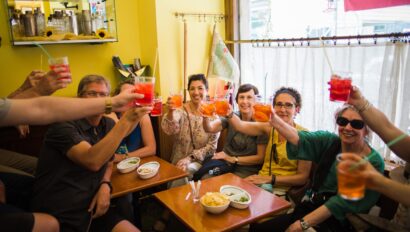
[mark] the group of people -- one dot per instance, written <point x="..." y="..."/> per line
<point x="71" y="189"/>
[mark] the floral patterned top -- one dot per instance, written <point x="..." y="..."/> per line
<point x="204" y="143"/>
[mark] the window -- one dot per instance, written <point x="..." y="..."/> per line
<point x="381" y="70"/>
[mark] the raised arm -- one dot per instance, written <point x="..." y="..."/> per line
<point x="93" y="157"/>
<point x="46" y="110"/>
<point x="290" y="133"/>
<point x="249" y="128"/>
<point x="380" y="124"/>
<point x="212" y="126"/>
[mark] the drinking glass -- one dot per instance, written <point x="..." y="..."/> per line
<point x="207" y="108"/>
<point x="350" y="184"/>
<point x="61" y="63"/>
<point x="262" y="109"/>
<point x="145" y="86"/>
<point x="222" y="105"/>
<point x="340" y="84"/>
<point x="157" y="110"/>
<point x="176" y="98"/>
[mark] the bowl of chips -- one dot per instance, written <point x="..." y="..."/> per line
<point x="214" y="202"/>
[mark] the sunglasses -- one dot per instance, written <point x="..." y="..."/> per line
<point x="356" y="124"/>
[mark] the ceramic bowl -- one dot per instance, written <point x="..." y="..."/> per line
<point x="128" y="165"/>
<point x="148" y="170"/>
<point x="239" y="198"/>
<point x="214" y="202"/>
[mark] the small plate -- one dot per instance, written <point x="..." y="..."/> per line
<point x="236" y="196"/>
<point x="148" y="170"/>
<point x="128" y="165"/>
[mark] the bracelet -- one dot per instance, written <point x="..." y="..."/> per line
<point x="365" y="107"/>
<point x="273" y="180"/>
<point x="229" y="116"/>
<point x="108" y="105"/>
<point x="108" y="183"/>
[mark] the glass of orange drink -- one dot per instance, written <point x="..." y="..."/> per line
<point x="350" y="184"/>
<point x="176" y="98"/>
<point x="262" y="109"/>
<point x="207" y="108"/>
<point x="222" y="105"/>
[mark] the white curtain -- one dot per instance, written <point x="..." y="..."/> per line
<point x="382" y="72"/>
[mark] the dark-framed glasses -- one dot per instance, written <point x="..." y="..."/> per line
<point x="95" y="94"/>
<point x="355" y="123"/>
<point x="287" y="105"/>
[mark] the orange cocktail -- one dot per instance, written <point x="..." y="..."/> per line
<point x="207" y="108"/>
<point x="145" y="86"/>
<point x="177" y="100"/>
<point x="351" y="185"/>
<point x="262" y="112"/>
<point x="222" y="106"/>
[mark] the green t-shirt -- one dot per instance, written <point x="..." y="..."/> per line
<point x="311" y="147"/>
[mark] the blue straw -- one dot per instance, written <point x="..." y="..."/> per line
<point x="44" y="50"/>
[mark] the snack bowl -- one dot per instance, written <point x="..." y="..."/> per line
<point x="128" y="165"/>
<point x="239" y="198"/>
<point x="214" y="202"/>
<point x="148" y="170"/>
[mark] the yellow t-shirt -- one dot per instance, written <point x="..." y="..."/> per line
<point x="284" y="166"/>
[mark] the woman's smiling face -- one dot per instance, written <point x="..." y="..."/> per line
<point x="246" y="100"/>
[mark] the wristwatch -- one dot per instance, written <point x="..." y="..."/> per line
<point x="304" y="224"/>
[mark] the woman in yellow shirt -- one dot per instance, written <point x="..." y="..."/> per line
<point x="278" y="173"/>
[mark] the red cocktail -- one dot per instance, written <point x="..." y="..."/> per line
<point x="157" y="110"/>
<point x="59" y="65"/>
<point x="145" y="86"/>
<point x="339" y="88"/>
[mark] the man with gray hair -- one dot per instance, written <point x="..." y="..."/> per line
<point x="75" y="165"/>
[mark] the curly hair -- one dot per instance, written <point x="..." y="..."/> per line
<point x="292" y="92"/>
<point x="198" y="77"/>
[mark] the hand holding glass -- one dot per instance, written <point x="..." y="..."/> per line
<point x="340" y="85"/>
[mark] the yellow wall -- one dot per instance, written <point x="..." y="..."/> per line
<point x="170" y="32"/>
<point x="142" y="26"/>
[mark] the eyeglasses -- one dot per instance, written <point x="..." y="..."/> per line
<point x="287" y="105"/>
<point x="95" y="94"/>
<point x="355" y="123"/>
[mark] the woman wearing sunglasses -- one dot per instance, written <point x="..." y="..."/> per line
<point x="278" y="173"/>
<point x="321" y="207"/>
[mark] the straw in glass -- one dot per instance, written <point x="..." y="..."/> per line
<point x="155" y="62"/>
<point x="389" y="144"/>
<point x="44" y="50"/>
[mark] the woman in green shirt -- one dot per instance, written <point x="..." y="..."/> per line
<point x="322" y="208"/>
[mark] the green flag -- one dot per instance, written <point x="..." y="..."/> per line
<point x="222" y="64"/>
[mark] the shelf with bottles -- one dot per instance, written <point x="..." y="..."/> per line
<point x="61" y="22"/>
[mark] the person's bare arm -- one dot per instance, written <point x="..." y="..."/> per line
<point x="101" y="200"/>
<point x="214" y="126"/>
<point x="148" y="139"/>
<point x="249" y="128"/>
<point x="314" y="218"/>
<point x="298" y="179"/>
<point x="380" y="124"/>
<point x="289" y="132"/>
<point x="94" y="157"/>
<point x="39" y="83"/>
<point x="46" y="110"/>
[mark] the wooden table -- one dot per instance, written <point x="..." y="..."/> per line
<point x="196" y="218"/>
<point x="130" y="182"/>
